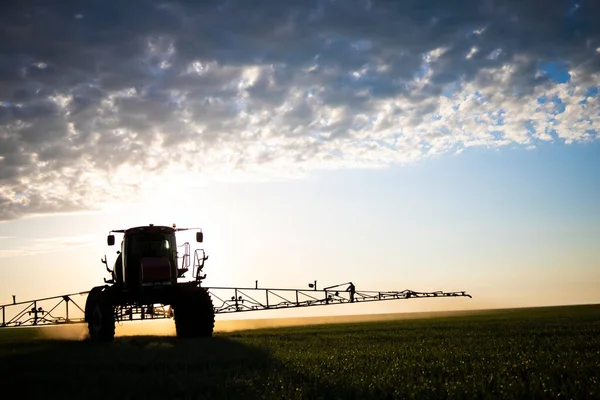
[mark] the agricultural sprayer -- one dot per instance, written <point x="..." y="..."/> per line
<point x="148" y="282"/>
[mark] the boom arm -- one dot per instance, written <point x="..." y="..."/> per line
<point x="56" y="310"/>
<point x="253" y="299"/>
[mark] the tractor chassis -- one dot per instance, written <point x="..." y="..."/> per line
<point x="149" y="302"/>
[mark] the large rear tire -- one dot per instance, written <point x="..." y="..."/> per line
<point x="194" y="314"/>
<point x="100" y="316"/>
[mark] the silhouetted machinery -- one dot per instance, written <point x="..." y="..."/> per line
<point x="148" y="282"/>
<point x="146" y="273"/>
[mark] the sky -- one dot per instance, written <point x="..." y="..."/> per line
<point x="423" y="145"/>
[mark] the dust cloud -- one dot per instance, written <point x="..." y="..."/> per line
<point x="167" y="327"/>
<point x="133" y="328"/>
<point x="248" y="324"/>
<point x="64" y="332"/>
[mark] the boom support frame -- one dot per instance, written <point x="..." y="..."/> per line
<point x="56" y="310"/>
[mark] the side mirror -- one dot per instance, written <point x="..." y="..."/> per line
<point x="110" y="240"/>
<point x="199" y="237"/>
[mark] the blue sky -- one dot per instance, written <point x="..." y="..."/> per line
<point x="422" y="145"/>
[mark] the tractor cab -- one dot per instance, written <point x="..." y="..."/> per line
<point x="148" y="257"/>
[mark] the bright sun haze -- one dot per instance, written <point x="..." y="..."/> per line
<point x="448" y="147"/>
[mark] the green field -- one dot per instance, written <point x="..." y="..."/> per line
<point x="521" y="353"/>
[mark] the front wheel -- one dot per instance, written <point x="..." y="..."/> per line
<point x="194" y="314"/>
<point x="100" y="317"/>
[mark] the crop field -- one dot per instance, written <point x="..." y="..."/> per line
<point x="522" y="353"/>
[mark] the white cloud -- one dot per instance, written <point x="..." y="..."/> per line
<point x="48" y="245"/>
<point x="196" y="89"/>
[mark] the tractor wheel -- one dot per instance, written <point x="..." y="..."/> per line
<point x="194" y="314"/>
<point x="100" y="317"/>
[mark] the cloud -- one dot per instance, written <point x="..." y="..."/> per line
<point x="47" y="245"/>
<point x="97" y="98"/>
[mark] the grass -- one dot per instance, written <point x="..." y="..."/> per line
<point x="527" y="353"/>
